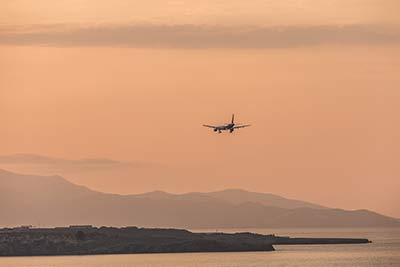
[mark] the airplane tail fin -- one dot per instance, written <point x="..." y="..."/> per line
<point x="233" y="118"/>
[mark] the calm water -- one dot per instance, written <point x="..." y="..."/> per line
<point x="384" y="251"/>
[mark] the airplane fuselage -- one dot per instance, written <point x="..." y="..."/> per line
<point x="225" y="127"/>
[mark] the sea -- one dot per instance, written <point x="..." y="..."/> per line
<point x="384" y="251"/>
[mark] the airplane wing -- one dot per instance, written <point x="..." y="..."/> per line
<point x="209" y="126"/>
<point x="241" y="126"/>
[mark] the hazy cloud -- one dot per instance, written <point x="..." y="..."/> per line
<point x="66" y="164"/>
<point x="197" y="36"/>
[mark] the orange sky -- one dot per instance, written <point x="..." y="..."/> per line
<point x="325" y="115"/>
<point x="282" y="12"/>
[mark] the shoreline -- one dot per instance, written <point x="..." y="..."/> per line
<point x="88" y="240"/>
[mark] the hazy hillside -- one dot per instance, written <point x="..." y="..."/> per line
<point x="52" y="200"/>
<point x="237" y="196"/>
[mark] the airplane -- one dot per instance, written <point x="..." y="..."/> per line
<point x="227" y="127"/>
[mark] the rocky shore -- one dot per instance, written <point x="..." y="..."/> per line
<point x="87" y="240"/>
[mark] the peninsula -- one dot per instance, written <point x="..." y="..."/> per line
<point x="88" y="240"/>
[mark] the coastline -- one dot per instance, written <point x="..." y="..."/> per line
<point x="88" y="240"/>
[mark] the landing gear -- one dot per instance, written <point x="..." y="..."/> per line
<point x="219" y="131"/>
<point x="231" y="130"/>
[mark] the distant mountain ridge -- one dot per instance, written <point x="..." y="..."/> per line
<point x="53" y="201"/>
<point x="236" y="196"/>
